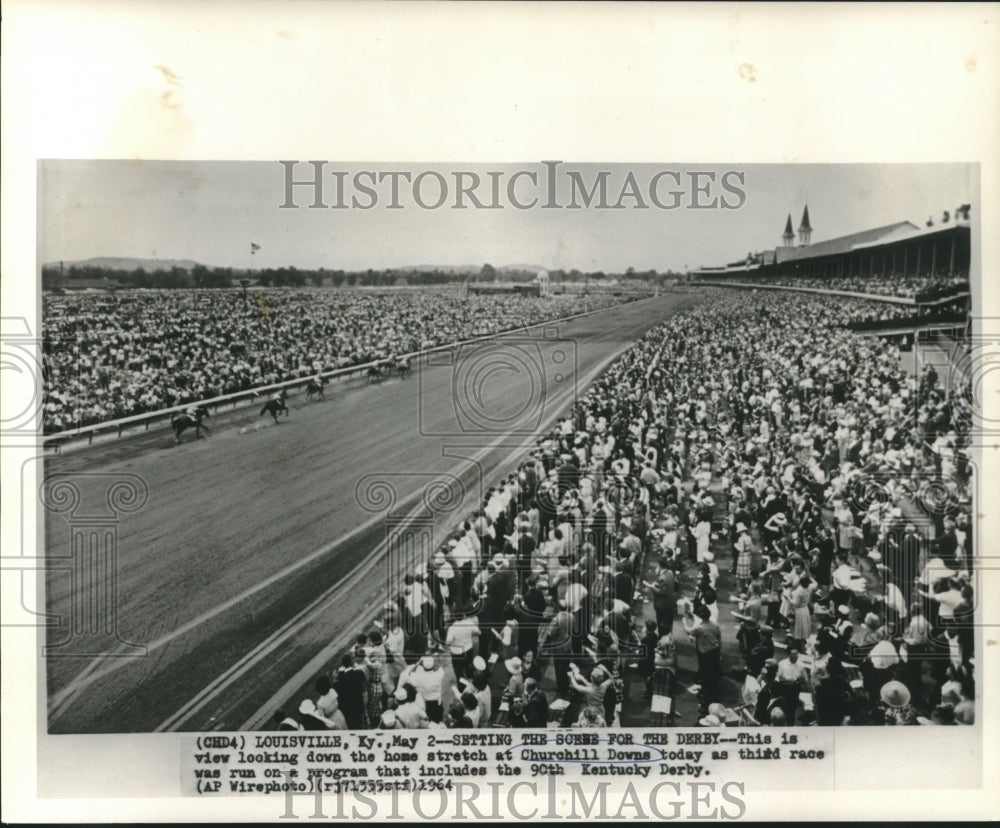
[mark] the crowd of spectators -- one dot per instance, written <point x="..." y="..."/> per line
<point x="925" y="287"/>
<point x="751" y="442"/>
<point x="108" y="356"/>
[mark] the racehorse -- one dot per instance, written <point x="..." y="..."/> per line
<point x="403" y="368"/>
<point x="374" y="374"/>
<point x="315" y="388"/>
<point x="183" y="421"/>
<point x="275" y="405"/>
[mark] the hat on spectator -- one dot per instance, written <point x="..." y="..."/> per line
<point x="895" y="694"/>
<point x="936" y="571"/>
<point x="513" y="665"/>
<point x="741" y="527"/>
<point x="400" y="694"/>
<point x="389" y="717"/>
<point x="943" y="714"/>
<point x="965" y="714"/>
<point x="883" y="655"/>
<point x="307" y="707"/>
<point x="479" y="664"/>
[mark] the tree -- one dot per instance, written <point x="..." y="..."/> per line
<point x="488" y="273"/>
<point x="199" y="274"/>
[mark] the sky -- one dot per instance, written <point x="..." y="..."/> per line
<point x="211" y="211"/>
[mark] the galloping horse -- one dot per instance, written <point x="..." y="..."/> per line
<point x="275" y="405"/>
<point x="315" y="388"/>
<point x="180" y="422"/>
<point x="374" y="374"/>
<point x="403" y="368"/>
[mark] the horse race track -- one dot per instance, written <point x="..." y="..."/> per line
<point x="239" y="573"/>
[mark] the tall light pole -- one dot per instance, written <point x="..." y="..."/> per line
<point x="244" y="283"/>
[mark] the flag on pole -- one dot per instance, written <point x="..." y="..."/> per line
<point x="254" y="248"/>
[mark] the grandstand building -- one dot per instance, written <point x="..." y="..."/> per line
<point x="901" y="250"/>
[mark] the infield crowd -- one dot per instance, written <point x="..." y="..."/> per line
<point x="108" y="356"/>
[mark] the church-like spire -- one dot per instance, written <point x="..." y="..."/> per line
<point x="805" y="229"/>
<point x="789" y="235"/>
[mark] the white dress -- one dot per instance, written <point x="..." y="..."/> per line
<point x="702" y="534"/>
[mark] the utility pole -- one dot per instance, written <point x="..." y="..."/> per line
<point x="244" y="283"/>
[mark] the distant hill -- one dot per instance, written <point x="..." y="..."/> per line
<point x="426" y="268"/>
<point x="152" y="265"/>
<point x="470" y="268"/>
<point x="120" y="263"/>
<point x="508" y="268"/>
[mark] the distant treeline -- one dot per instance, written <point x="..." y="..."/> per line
<point x="200" y="276"/>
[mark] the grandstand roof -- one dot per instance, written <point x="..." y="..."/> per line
<point x="907" y="233"/>
<point x="842" y="244"/>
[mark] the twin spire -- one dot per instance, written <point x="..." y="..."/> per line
<point x="805" y="230"/>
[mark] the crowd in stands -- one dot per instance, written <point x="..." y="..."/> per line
<point x="112" y="356"/>
<point x="925" y="288"/>
<point x="750" y="445"/>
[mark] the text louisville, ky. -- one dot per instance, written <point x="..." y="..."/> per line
<point x="550" y="185"/>
<point x="602" y="774"/>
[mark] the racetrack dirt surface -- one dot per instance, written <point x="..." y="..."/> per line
<point x="247" y="527"/>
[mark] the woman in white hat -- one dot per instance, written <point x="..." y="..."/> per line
<point x="801" y="615"/>
<point x="515" y="684"/>
<point x="703" y="536"/>
<point x="744" y="551"/>
<point x="895" y="704"/>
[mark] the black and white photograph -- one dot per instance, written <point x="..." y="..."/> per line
<point x="511" y="487"/>
<point x="649" y="479"/>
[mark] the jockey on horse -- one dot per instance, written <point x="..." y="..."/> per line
<point x="275" y="403"/>
<point x="191" y="416"/>
<point x="315" y="387"/>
